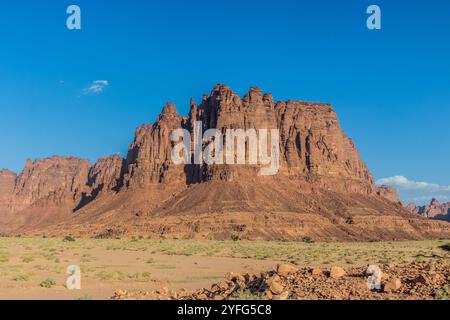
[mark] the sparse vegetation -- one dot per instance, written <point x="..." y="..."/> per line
<point x="69" y="239"/>
<point x="48" y="283"/>
<point x="308" y="240"/>
<point x="30" y="260"/>
<point x="22" y="277"/>
<point x="85" y="297"/>
<point x="4" y="256"/>
<point x="246" y="295"/>
<point x="235" y="237"/>
<point x="443" y="294"/>
<point x="27" y="259"/>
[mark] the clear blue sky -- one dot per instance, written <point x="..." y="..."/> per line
<point x="391" y="88"/>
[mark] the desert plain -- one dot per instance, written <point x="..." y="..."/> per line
<point x="35" y="268"/>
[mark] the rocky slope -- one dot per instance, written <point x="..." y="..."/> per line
<point x="322" y="189"/>
<point x="414" y="281"/>
<point x="434" y="210"/>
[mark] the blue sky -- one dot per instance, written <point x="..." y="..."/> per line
<point x="391" y="88"/>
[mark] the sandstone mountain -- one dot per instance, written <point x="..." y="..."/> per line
<point x="434" y="210"/>
<point x="322" y="190"/>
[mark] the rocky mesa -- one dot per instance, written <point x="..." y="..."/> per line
<point x="322" y="189"/>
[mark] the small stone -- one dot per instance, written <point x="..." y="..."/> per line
<point x="316" y="272"/>
<point x="392" y="285"/>
<point x="283" y="296"/>
<point x="431" y="267"/>
<point x="286" y="269"/>
<point x="223" y="285"/>
<point x="163" y="290"/>
<point x="435" y="277"/>
<point x="269" y="295"/>
<point x="420" y="279"/>
<point x="202" y="296"/>
<point x="215" y="288"/>
<point x="274" y="278"/>
<point x="276" y="288"/>
<point x="337" y="273"/>
<point x="233" y="276"/>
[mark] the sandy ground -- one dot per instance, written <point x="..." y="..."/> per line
<point x="134" y="265"/>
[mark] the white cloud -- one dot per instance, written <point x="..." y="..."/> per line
<point x="406" y="184"/>
<point x="414" y="191"/>
<point x="96" y="87"/>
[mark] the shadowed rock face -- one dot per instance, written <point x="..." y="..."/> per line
<point x="62" y="179"/>
<point x="434" y="210"/>
<point x="322" y="182"/>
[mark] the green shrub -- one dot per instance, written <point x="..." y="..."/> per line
<point x="48" y="283"/>
<point x="443" y="294"/>
<point x="22" y="277"/>
<point x="235" y="237"/>
<point x="308" y="240"/>
<point x="245" y="294"/>
<point x="69" y="239"/>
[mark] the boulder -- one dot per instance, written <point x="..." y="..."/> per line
<point x="337" y="272"/>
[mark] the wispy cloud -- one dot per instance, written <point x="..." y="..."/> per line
<point x="405" y="183"/>
<point x="415" y="191"/>
<point x="96" y="87"/>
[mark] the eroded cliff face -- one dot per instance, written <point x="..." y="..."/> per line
<point x="106" y="175"/>
<point x="389" y="193"/>
<point x="55" y="179"/>
<point x="7" y="183"/>
<point x="312" y="144"/>
<point x="46" y="190"/>
<point x="322" y="187"/>
<point x="149" y="156"/>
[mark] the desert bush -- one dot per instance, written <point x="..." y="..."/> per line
<point x="27" y="259"/>
<point x="245" y="294"/>
<point x="69" y="239"/>
<point x="308" y="240"/>
<point x="443" y="294"/>
<point x="48" y="283"/>
<point x="22" y="277"/>
<point x="235" y="237"/>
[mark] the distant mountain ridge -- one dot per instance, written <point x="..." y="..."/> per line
<point x="435" y="210"/>
<point x="322" y="190"/>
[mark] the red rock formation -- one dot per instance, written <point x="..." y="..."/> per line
<point x="435" y="210"/>
<point x="7" y="183"/>
<point x="388" y="193"/>
<point x="322" y="189"/>
<point x="312" y="143"/>
<point x="149" y="156"/>
<point x="105" y="175"/>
